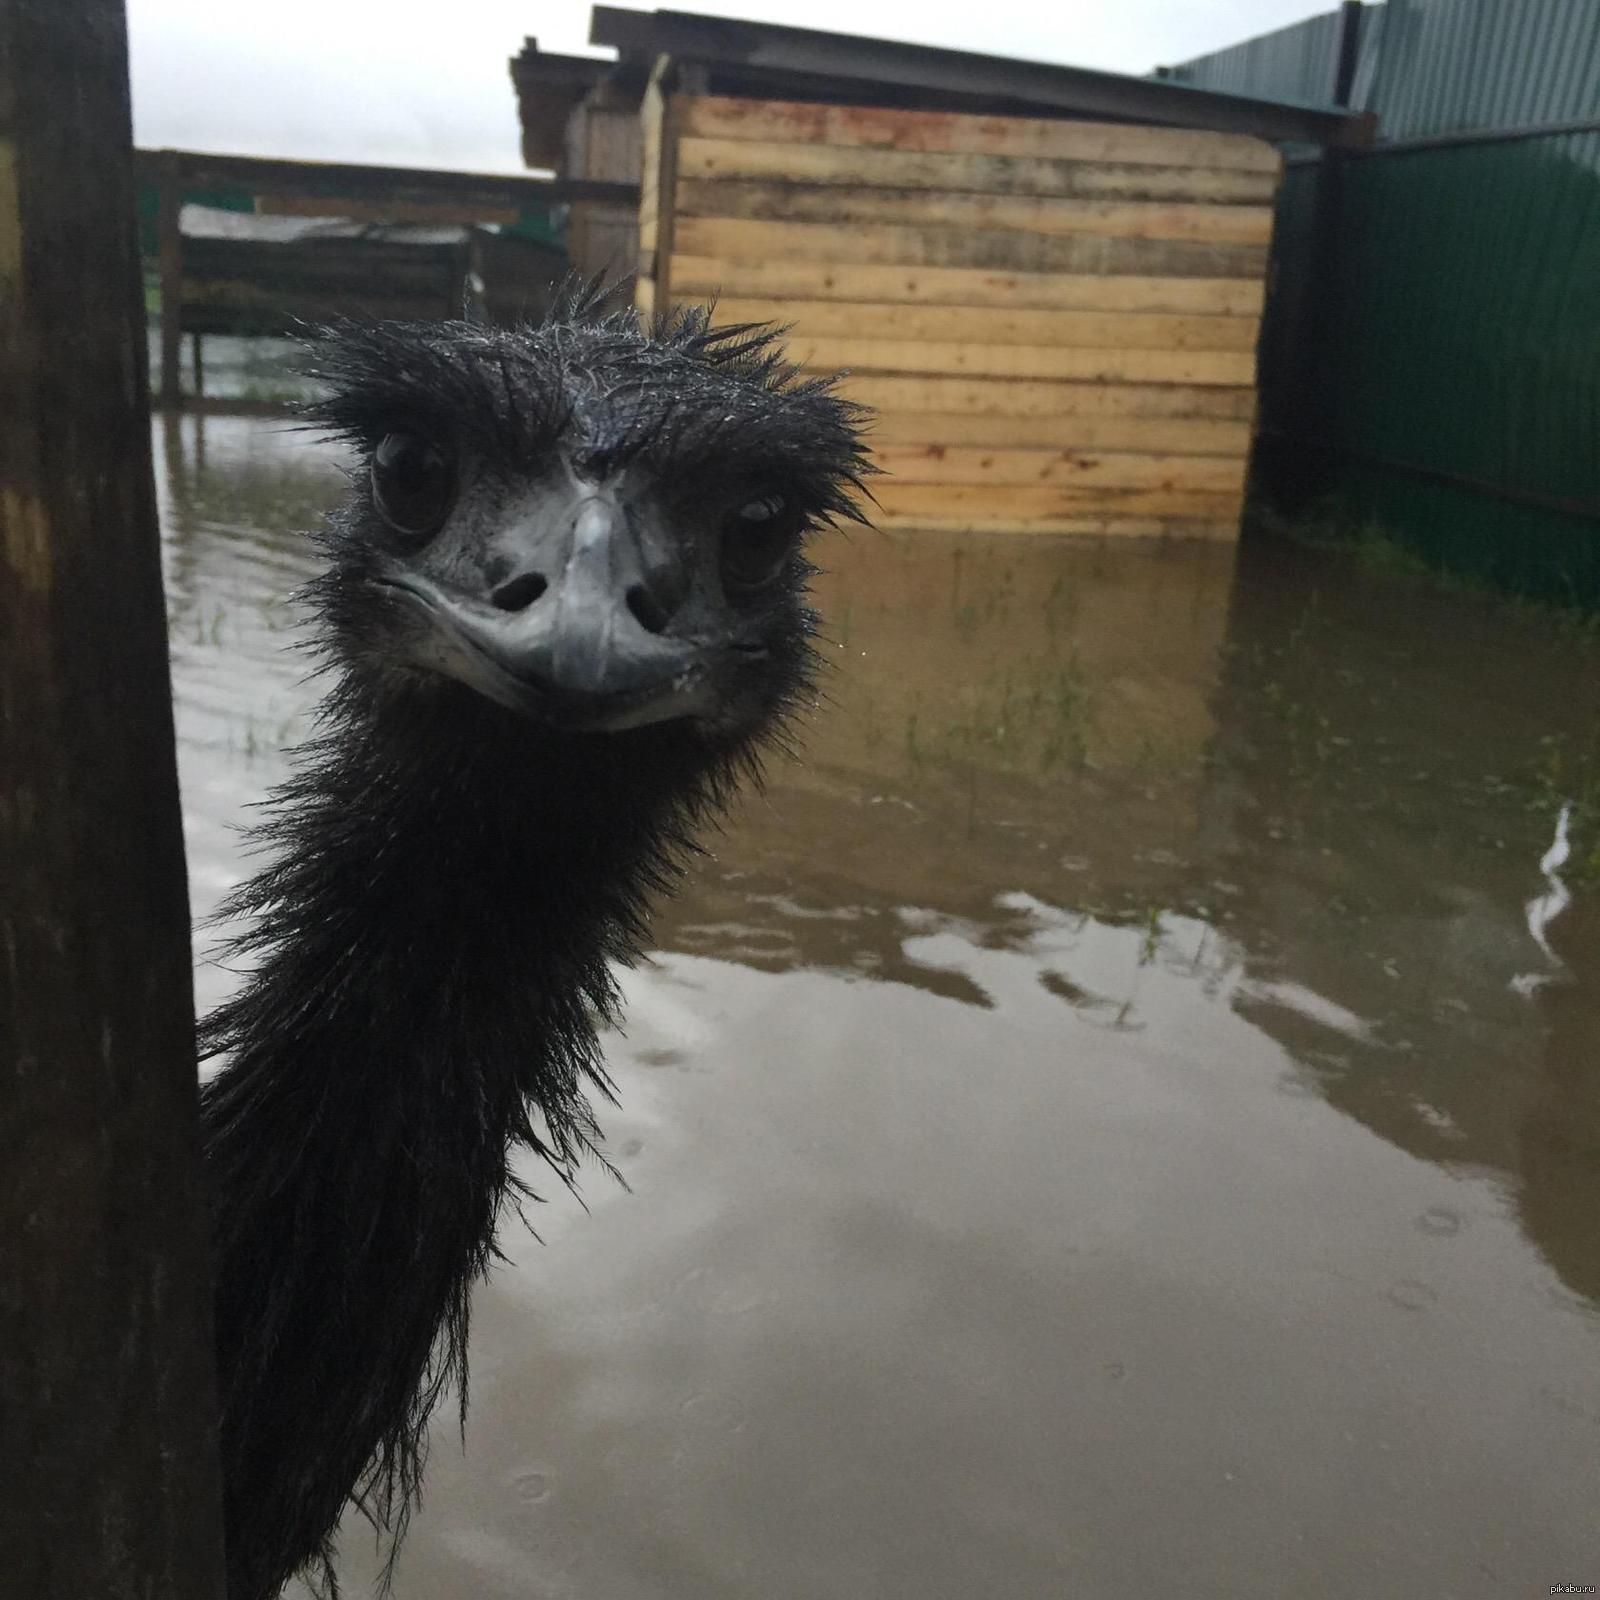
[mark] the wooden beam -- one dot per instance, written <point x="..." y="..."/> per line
<point x="109" y="1476"/>
<point x="705" y="277"/>
<point x="1065" y="468"/>
<point x="804" y="122"/>
<point x="427" y="213"/>
<point x="984" y="397"/>
<point x="957" y="173"/>
<point x="1181" y="436"/>
<point x="990" y="249"/>
<point x="1218" y="530"/>
<point x="777" y="201"/>
<point x="1016" y="504"/>
<point x="658" y="123"/>
<point x="353" y="181"/>
<point x="170" y="268"/>
<point x="1083" y="330"/>
<point x="1226" y="368"/>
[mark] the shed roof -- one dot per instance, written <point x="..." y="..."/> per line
<point x="762" y="58"/>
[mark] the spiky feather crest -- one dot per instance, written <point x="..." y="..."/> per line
<point x="679" y="386"/>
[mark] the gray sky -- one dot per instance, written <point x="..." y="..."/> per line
<point x="426" y="84"/>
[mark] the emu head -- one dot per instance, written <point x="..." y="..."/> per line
<point x="596" y="526"/>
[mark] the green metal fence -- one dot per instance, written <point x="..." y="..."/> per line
<point x="1432" y="353"/>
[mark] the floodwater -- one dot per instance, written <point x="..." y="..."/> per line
<point x="1121" y="1116"/>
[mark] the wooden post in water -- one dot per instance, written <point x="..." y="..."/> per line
<point x="108" y="1459"/>
<point x="169" y="261"/>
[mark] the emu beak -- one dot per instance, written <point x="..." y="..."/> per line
<point x="577" y="634"/>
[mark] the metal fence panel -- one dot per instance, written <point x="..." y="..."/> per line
<point x="1432" y="345"/>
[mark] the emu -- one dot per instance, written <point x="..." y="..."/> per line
<point x="562" y="612"/>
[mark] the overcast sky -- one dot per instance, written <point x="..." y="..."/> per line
<point x="413" y="84"/>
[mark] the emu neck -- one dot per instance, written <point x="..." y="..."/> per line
<point x="431" y="942"/>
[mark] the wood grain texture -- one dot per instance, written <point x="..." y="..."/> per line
<point x="1020" y="398"/>
<point x="1227" y="368"/>
<point x="1216" y="529"/>
<point x="1054" y="323"/>
<point x="1087" y="330"/>
<point x="739" y="240"/>
<point x="957" y="173"/>
<point x="1086" y="470"/>
<point x="1015" y="504"/>
<point x="772" y="201"/>
<point x="109" y="1476"/>
<point x="1177" y="436"/>
<point x="426" y="213"/>
<point x="877" y="127"/>
<point x="703" y="277"/>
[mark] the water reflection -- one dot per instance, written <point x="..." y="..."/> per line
<point x="1082" y="1123"/>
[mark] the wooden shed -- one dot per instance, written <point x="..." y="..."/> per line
<point x="1048" y="283"/>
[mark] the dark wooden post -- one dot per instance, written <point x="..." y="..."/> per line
<point x="108" y="1461"/>
<point x="170" y="267"/>
<point x="1349" y="53"/>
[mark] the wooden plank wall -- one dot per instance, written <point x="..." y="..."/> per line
<point x="1056" y="321"/>
<point x="603" y="142"/>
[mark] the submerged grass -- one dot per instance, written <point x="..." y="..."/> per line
<point x="1332" y="527"/>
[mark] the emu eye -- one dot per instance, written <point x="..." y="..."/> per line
<point x="758" y="539"/>
<point x="413" y="483"/>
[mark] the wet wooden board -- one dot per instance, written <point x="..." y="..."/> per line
<point x="782" y="278"/>
<point x="1175" y="436"/>
<point x="1113" y="219"/>
<point x="426" y="213"/>
<point x="954" y="173"/>
<point x="1098" y="330"/>
<point x="1054" y="323"/>
<point x="1022" y="398"/>
<point x="740" y="239"/>
<point x="1220" y="529"/>
<point x="1068" y="469"/>
<point x="1018" y="504"/>
<point x="879" y="127"/>
<point x="1228" y="368"/>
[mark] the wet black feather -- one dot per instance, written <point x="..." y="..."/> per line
<point x="432" y="938"/>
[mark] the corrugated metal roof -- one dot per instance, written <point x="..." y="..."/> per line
<point x="771" y="58"/>
<point x="1294" y="63"/>
<point x="1431" y="67"/>
<point x="1451" y="65"/>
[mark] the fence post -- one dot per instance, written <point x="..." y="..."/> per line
<point x="108" y="1471"/>
<point x="169" y="261"/>
<point x="1349" y="53"/>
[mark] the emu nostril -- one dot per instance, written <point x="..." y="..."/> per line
<point x="521" y="592"/>
<point x="651" y="615"/>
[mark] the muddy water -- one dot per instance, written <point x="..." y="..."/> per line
<point x="1123" y="1114"/>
